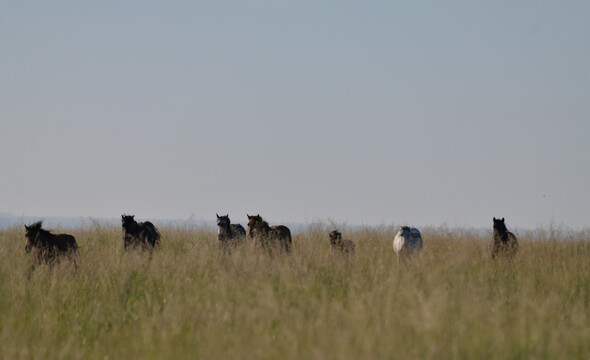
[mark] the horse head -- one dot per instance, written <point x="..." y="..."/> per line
<point x="255" y="224"/>
<point x="223" y="221"/>
<point x="31" y="233"/>
<point x="500" y="225"/>
<point x="335" y="237"/>
<point x="128" y="222"/>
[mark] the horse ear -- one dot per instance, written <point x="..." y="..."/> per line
<point x="248" y="216"/>
<point x="26" y="227"/>
<point x="227" y="215"/>
<point x="502" y="219"/>
<point x="217" y="215"/>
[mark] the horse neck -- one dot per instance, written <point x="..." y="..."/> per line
<point x="131" y="228"/>
<point x="263" y="228"/>
<point x="224" y="230"/>
<point x="44" y="239"/>
<point x="502" y="235"/>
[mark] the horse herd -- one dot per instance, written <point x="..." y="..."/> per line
<point x="48" y="248"/>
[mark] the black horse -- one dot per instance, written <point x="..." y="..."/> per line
<point x="48" y="248"/>
<point x="504" y="242"/>
<point x="229" y="234"/>
<point x="143" y="235"/>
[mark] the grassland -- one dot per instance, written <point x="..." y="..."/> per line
<point x="190" y="302"/>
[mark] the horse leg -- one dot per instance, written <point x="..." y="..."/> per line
<point x="223" y="247"/>
<point x="75" y="256"/>
<point x="30" y="271"/>
<point x="36" y="261"/>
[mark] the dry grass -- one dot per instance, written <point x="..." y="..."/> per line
<point x="189" y="302"/>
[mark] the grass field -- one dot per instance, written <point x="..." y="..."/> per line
<point x="190" y="302"/>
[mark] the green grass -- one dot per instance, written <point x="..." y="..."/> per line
<point x="189" y="302"/>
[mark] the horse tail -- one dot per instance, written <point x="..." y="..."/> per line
<point x="157" y="240"/>
<point x="72" y="243"/>
<point x="288" y="239"/>
<point x="153" y="235"/>
<point x="512" y="241"/>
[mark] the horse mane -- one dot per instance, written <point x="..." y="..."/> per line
<point x="262" y="224"/>
<point x="335" y="235"/>
<point x="37" y="228"/>
<point x="257" y="223"/>
<point x="45" y="232"/>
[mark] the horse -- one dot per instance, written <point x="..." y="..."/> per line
<point x="143" y="235"/>
<point x="406" y="242"/>
<point x="504" y="243"/>
<point x="339" y="244"/>
<point x="229" y="234"/>
<point x="269" y="237"/>
<point x="48" y="248"/>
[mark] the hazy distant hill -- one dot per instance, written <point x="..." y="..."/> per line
<point x="5" y="220"/>
<point x="8" y="220"/>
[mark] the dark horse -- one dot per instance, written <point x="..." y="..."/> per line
<point x="338" y="244"/>
<point x="48" y="248"/>
<point x="143" y="235"/>
<point x="229" y="234"/>
<point x="269" y="237"/>
<point x="504" y="242"/>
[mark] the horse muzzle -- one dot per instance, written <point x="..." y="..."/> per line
<point x="28" y="248"/>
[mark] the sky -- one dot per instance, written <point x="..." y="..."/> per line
<point x="357" y="112"/>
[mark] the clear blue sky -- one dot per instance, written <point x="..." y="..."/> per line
<point x="364" y="112"/>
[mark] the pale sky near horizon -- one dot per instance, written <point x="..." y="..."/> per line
<point x="363" y="112"/>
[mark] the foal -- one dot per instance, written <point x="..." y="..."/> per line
<point x="48" y="248"/>
<point x="339" y="244"/>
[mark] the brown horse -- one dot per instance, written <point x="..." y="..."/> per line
<point x="48" y="248"/>
<point x="339" y="244"/>
<point x="269" y="237"/>
<point x="504" y="242"/>
<point x="143" y="235"/>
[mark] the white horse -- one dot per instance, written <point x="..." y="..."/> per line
<point x="407" y="241"/>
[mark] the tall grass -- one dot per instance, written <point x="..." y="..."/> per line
<point x="188" y="301"/>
